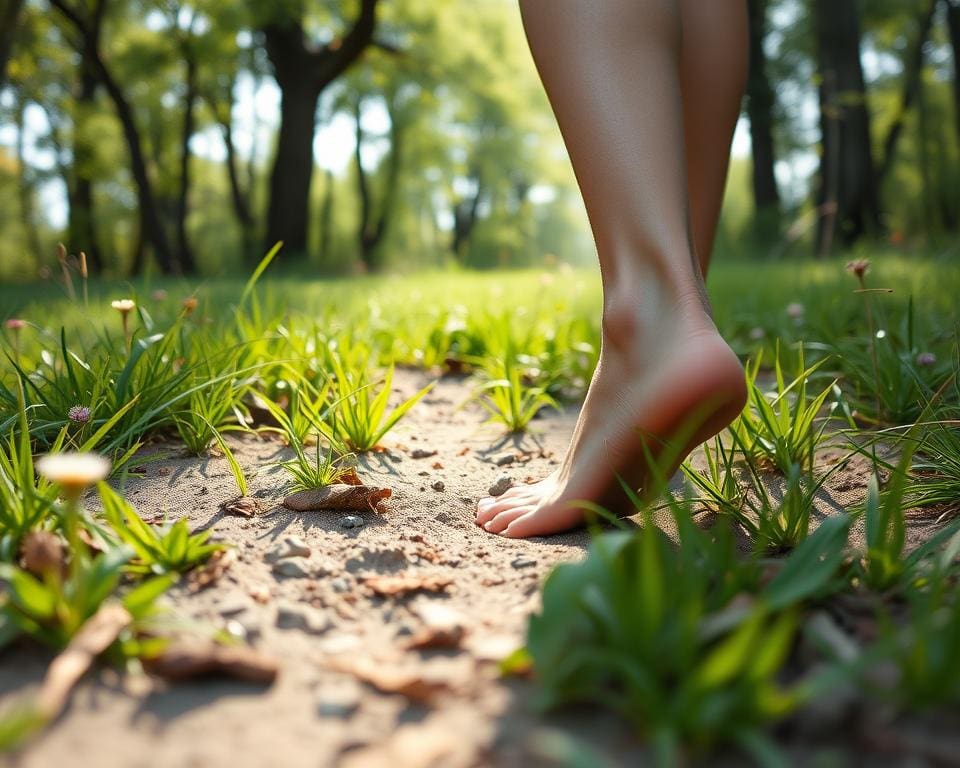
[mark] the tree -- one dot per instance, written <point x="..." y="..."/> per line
<point x="760" y="102"/>
<point x="847" y="191"/>
<point x="303" y="70"/>
<point x="87" y="23"/>
<point x="9" y="22"/>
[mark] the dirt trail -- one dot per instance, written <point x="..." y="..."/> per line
<point x="331" y="629"/>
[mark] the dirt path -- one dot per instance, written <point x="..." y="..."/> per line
<point x="330" y="628"/>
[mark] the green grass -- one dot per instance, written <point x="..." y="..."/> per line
<point x="696" y="645"/>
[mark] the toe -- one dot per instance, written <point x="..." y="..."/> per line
<point x="543" y="520"/>
<point x="491" y="506"/>
<point x="501" y="521"/>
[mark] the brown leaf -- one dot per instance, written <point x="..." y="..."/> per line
<point x="242" y="507"/>
<point x="185" y="660"/>
<point x="92" y="639"/>
<point x="390" y="678"/>
<point x="393" y="586"/>
<point x="350" y="477"/>
<point x="339" y="496"/>
<point x="214" y="569"/>
<point x="43" y="552"/>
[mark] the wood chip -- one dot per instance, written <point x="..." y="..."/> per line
<point x="242" y="507"/>
<point x="339" y="496"/>
<point x="394" y="586"/>
<point x="93" y="638"/>
<point x="390" y="678"/>
<point x="212" y="571"/>
<point x="186" y="660"/>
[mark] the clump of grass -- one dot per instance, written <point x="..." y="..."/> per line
<point x="781" y="429"/>
<point x="170" y="549"/>
<point x="657" y="633"/>
<point x="509" y="399"/>
<point x="358" y="415"/>
<point x="325" y="466"/>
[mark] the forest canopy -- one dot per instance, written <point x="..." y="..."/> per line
<point x="188" y="137"/>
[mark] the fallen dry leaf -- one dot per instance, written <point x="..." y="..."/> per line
<point x="43" y="552"/>
<point x="185" y="660"/>
<point x="443" y="627"/>
<point x="393" y="586"/>
<point x="212" y="571"/>
<point x="339" y="496"/>
<point x="242" y="507"/>
<point x="93" y="638"/>
<point x="390" y="678"/>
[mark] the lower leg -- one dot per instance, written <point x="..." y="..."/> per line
<point x="713" y="74"/>
<point x="612" y="72"/>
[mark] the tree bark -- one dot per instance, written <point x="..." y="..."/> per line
<point x="847" y="188"/>
<point x="760" y="103"/>
<point x="326" y="218"/>
<point x="9" y="21"/>
<point x="238" y="196"/>
<point x="82" y="232"/>
<point x="302" y="72"/>
<point x="151" y="227"/>
<point x="953" y="26"/>
<point x="912" y="73"/>
<point x="464" y="220"/>
<point x="184" y="252"/>
<point x="26" y="189"/>
<point x="375" y="220"/>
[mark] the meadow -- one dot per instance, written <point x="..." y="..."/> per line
<point x="719" y="617"/>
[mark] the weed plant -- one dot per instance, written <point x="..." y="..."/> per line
<point x="785" y="428"/>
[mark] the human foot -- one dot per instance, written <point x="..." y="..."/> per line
<point x="680" y="382"/>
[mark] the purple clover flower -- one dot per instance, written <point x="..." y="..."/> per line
<point x="79" y="414"/>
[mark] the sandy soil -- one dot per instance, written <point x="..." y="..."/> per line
<point x="330" y="628"/>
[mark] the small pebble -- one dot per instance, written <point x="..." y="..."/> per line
<point x="291" y="546"/>
<point x="341" y="701"/>
<point x="438" y="485"/>
<point x="303" y="617"/>
<point x="291" y="568"/>
<point x="340" y="585"/>
<point x="523" y="562"/>
<point x="503" y="459"/>
<point x="502" y="484"/>
<point x="351" y="521"/>
<point x="422" y="453"/>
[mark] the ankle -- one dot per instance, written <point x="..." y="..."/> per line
<point x="641" y="319"/>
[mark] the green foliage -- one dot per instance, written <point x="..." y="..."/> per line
<point x="781" y="429"/>
<point x="171" y="549"/>
<point x="507" y="397"/>
<point x="325" y="467"/>
<point x="666" y="636"/>
<point x="358" y="416"/>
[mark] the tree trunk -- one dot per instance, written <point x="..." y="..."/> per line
<point x="26" y="189"/>
<point x="464" y="220"/>
<point x="846" y="160"/>
<point x="953" y="25"/>
<point x="302" y="71"/>
<point x="82" y="232"/>
<point x="326" y="219"/>
<point x="151" y="226"/>
<point x="238" y="197"/>
<point x="184" y="252"/>
<point x="912" y="74"/>
<point x="293" y="169"/>
<point x="9" y="21"/>
<point x="760" y="104"/>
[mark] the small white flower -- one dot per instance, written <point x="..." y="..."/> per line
<point x="795" y="310"/>
<point x="74" y="471"/>
<point x="756" y="334"/>
<point x="123" y="305"/>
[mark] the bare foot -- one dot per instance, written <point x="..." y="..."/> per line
<point x="660" y="377"/>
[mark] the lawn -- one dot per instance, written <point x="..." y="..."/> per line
<point x="294" y="465"/>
